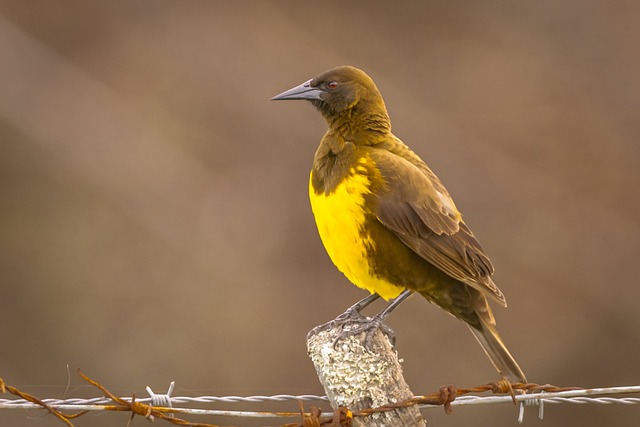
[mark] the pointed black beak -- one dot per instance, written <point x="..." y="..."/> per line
<point x="303" y="91"/>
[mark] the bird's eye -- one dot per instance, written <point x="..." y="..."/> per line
<point x="333" y="85"/>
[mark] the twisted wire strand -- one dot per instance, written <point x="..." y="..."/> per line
<point x="22" y="403"/>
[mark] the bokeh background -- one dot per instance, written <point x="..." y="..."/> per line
<point x="154" y="222"/>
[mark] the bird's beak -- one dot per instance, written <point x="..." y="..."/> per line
<point x="303" y="91"/>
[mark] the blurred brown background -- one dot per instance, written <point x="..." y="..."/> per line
<point x="154" y="222"/>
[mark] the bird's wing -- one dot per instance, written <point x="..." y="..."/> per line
<point x="417" y="208"/>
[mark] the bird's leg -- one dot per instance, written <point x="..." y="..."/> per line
<point x="393" y="304"/>
<point x="377" y="321"/>
<point x="353" y="312"/>
<point x="351" y="315"/>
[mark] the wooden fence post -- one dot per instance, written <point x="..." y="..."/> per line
<point x="359" y="379"/>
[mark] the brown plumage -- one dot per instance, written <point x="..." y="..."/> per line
<point x="387" y="221"/>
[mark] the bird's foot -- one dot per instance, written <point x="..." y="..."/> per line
<point x="348" y="317"/>
<point x="352" y="323"/>
<point x="368" y="326"/>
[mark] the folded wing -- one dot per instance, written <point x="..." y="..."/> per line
<point x="419" y="211"/>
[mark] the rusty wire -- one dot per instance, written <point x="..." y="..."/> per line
<point x="341" y="417"/>
<point x="447" y="394"/>
<point x="4" y="388"/>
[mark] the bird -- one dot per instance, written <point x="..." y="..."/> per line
<point x="385" y="219"/>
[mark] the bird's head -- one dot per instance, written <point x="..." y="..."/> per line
<point x="339" y="91"/>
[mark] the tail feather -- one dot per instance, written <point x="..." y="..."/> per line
<point x="496" y="350"/>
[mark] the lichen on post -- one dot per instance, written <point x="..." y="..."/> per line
<point x="358" y="379"/>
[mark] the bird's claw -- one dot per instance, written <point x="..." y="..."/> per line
<point x="368" y="326"/>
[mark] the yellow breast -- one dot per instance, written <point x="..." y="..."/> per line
<point x="340" y="217"/>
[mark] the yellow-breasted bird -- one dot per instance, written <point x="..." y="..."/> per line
<point x="386" y="220"/>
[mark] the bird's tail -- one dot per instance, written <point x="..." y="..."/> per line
<point x="496" y="350"/>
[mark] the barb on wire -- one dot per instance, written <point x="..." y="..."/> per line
<point x="341" y="417"/>
<point x="162" y="399"/>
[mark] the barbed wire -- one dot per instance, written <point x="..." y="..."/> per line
<point x="97" y="403"/>
<point x="162" y="405"/>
